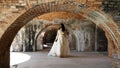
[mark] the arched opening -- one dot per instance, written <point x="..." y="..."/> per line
<point x="78" y="53"/>
<point x="100" y="20"/>
<point x="84" y="36"/>
<point x="49" y="36"/>
<point x="46" y="37"/>
<point x="102" y="41"/>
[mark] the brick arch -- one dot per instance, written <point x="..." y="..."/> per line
<point x="95" y="15"/>
<point x="41" y="30"/>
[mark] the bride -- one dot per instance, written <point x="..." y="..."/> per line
<point x="60" y="46"/>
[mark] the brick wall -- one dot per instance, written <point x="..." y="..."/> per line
<point x="110" y="5"/>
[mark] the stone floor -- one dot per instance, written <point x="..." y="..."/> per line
<point x="77" y="60"/>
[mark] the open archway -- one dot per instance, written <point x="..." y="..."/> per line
<point x="95" y="15"/>
<point x="40" y="38"/>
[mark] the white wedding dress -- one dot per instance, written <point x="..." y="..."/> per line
<point x="60" y="46"/>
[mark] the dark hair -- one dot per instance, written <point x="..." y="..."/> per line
<point x="63" y="27"/>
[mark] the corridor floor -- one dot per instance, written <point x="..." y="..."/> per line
<point x="76" y="60"/>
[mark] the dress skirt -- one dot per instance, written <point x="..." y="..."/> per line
<point x="60" y="46"/>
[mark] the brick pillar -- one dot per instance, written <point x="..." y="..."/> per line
<point x="111" y="47"/>
<point x="116" y="60"/>
<point x="4" y="59"/>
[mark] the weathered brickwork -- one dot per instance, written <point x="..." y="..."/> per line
<point x="110" y="5"/>
<point x="95" y="15"/>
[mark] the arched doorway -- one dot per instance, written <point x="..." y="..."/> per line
<point x="95" y="15"/>
<point x="46" y="36"/>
